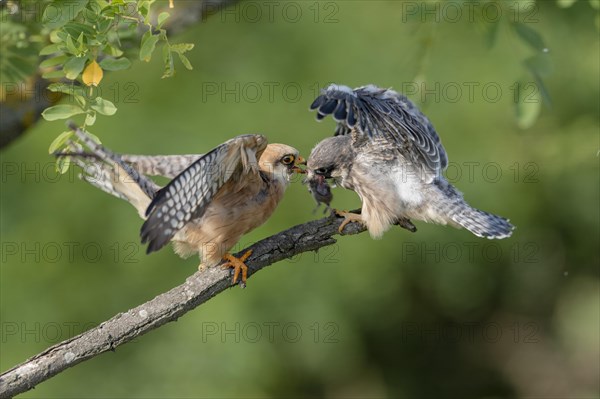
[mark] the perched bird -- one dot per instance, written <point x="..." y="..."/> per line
<point x="388" y="152"/>
<point x="211" y="201"/>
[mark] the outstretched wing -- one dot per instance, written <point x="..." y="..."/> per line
<point x="161" y="165"/>
<point x="188" y="195"/>
<point x="372" y="112"/>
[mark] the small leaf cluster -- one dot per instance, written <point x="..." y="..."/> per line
<point x="89" y="37"/>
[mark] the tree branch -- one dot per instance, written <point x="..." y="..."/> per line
<point x="169" y="306"/>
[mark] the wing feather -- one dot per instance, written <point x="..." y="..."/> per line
<point x="161" y="165"/>
<point x="373" y="112"/>
<point x="189" y="194"/>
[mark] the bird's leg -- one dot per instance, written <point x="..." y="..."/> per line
<point x="238" y="264"/>
<point x="349" y="217"/>
<point x="405" y="223"/>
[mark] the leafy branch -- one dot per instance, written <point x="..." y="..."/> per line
<point x="73" y="43"/>
<point x="92" y="36"/>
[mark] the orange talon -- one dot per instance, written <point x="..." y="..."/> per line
<point x="238" y="264"/>
<point x="349" y="217"/>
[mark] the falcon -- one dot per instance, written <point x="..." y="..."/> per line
<point x="388" y="152"/>
<point x="212" y="200"/>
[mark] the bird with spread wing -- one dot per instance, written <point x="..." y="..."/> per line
<point x="388" y="152"/>
<point x="212" y="200"/>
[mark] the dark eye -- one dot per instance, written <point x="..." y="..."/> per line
<point x="288" y="159"/>
<point x="322" y="171"/>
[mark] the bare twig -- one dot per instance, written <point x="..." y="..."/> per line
<point x="168" y="306"/>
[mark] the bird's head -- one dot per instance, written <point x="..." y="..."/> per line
<point x="281" y="161"/>
<point x="327" y="161"/>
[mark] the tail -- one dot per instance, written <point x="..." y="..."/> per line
<point x="456" y="210"/>
<point x="107" y="171"/>
<point x="482" y="224"/>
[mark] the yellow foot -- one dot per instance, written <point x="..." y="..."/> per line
<point x="238" y="264"/>
<point x="349" y="217"/>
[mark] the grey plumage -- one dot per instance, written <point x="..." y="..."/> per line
<point x="389" y="153"/>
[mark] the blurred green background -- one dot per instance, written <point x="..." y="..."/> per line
<point x="439" y="313"/>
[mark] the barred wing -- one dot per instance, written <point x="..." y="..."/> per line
<point x="161" y="165"/>
<point x="372" y="112"/>
<point x="188" y="195"/>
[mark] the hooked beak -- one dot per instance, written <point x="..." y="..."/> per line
<point x="299" y="161"/>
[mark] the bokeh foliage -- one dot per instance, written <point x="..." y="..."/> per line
<point x="402" y="310"/>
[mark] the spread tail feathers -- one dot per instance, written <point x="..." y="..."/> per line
<point x="109" y="172"/>
<point x="452" y="208"/>
<point x="482" y="224"/>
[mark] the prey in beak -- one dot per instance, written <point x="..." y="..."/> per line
<point x="320" y="191"/>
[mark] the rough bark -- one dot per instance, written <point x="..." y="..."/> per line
<point x="168" y="306"/>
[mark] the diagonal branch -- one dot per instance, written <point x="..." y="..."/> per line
<point x="169" y="306"/>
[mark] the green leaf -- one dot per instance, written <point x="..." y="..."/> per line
<point x="544" y="93"/>
<point x="62" y="164"/>
<point x="53" y="74"/>
<point x="56" y="37"/>
<point x="112" y="64"/>
<point x="528" y="106"/>
<point x="61" y="111"/>
<point x="74" y="66"/>
<point x="90" y="119"/>
<point x="50" y="62"/>
<point x="60" y="141"/>
<point x="76" y="28"/>
<point x="113" y="51"/>
<point x="59" y="12"/>
<point x="168" y="59"/>
<point x="185" y="61"/>
<point x="73" y="49"/>
<point x="67" y="88"/>
<point x="103" y="107"/>
<point x="148" y="45"/>
<point x="181" y="48"/>
<point x="94" y="137"/>
<point x="80" y="100"/>
<point x="91" y="14"/>
<point x="144" y="9"/>
<point x="530" y="36"/>
<point x="595" y="4"/>
<point x="50" y="49"/>
<point x="539" y="64"/>
<point x="162" y="17"/>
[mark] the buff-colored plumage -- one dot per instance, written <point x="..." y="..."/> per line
<point x="212" y="200"/>
<point x="239" y="207"/>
